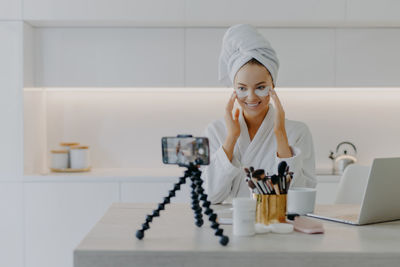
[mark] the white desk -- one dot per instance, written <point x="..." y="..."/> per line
<point x="174" y="240"/>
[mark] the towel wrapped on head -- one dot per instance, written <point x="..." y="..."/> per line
<point x="240" y="44"/>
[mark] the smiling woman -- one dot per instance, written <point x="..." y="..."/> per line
<point x="257" y="134"/>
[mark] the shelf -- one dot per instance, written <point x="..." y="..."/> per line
<point x="141" y="175"/>
<point x="167" y="174"/>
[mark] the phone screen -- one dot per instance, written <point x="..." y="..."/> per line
<point x="185" y="150"/>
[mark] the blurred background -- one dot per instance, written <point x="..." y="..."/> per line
<point x="118" y="75"/>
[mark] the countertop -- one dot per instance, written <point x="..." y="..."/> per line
<point x="174" y="240"/>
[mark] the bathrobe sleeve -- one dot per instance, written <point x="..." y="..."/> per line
<point x="302" y="163"/>
<point x="220" y="173"/>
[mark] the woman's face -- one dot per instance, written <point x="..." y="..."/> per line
<point x="248" y="79"/>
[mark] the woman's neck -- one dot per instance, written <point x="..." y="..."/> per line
<point x="254" y="122"/>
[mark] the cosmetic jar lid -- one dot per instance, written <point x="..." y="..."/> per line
<point x="79" y="147"/>
<point x="245" y="203"/>
<point x="59" y="151"/>
<point x="281" y="228"/>
<point x="69" y="144"/>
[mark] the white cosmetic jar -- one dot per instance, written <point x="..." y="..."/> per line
<point x="301" y="200"/>
<point x="244" y="216"/>
<point x="79" y="156"/>
<point x="67" y="146"/>
<point x="59" y="159"/>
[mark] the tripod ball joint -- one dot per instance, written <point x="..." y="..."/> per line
<point x="139" y="234"/>
<point x="145" y="226"/>
<point x="224" y="240"/>
<point x="199" y="223"/>
<point x="219" y="232"/>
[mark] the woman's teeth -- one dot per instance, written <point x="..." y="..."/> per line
<point x="253" y="104"/>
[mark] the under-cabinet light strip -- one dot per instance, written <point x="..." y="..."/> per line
<point x="207" y="89"/>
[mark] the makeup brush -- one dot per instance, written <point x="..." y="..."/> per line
<point x="275" y="182"/>
<point x="288" y="180"/>
<point x="252" y="186"/>
<point x="281" y="173"/>
<point x="247" y="172"/>
<point x="257" y="174"/>
<point x="259" y="189"/>
<point x="269" y="184"/>
<point x="281" y="168"/>
<point x="264" y="182"/>
<point x="251" y="169"/>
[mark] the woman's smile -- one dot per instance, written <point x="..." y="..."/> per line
<point x="253" y="105"/>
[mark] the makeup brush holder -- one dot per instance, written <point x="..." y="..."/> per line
<point x="270" y="208"/>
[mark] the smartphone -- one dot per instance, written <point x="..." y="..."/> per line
<point x="183" y="150"/>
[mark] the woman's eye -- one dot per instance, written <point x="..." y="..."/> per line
<point x="261" y="87"/>
<point x="242" y="89"/>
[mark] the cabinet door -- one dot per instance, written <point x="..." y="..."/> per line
<point x="11" y="225"/>
<point x="100" y="57"/>
<point x="10" y="10"/>
<point x="310" y="62"/>
<point x="11" y="104"/>
<point x="375" y="12"/>
<point x="116" y="12"/>
<point x="153" y="192"/>
<point x="368" y="57"/>
<point x="326" y="190"/>
<point x="264" y="12"/>
<point x="59" y="215"/>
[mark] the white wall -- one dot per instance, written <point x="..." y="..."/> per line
<point x="11" y="136"/>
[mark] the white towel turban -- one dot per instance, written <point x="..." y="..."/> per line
<point x="241" y="43"/>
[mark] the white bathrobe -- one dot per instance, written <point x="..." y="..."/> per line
<point x="225" y="179"/>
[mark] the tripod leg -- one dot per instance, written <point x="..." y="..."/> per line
<point x="196" y="204"/>
<point x="161" y="206"/>
<point x="198" y="182"/>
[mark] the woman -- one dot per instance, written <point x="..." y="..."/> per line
<point x="258" y="135"/>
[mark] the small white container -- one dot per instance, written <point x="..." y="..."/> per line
<point x="67" y="146"/>
<point x="244" y="216"/>
<point x="79" y="156"/>
<point x="59" y="159"/>
<point x="301" y="200"/>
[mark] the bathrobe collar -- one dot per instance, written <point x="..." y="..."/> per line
<point x="244" y="144"/>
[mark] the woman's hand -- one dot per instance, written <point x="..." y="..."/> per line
<point x="232" y="122"/>
<point x="232" y="127"/>
<point x="284" y="150"/>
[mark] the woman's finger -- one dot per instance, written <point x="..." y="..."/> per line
<point x="231" y="102"/>
<point x="237" y="112"/>
<point x="276" y="99"/>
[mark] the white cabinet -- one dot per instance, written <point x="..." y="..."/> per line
<point x="327" y="189"/>
<point x="11" y="115"/>
<point x="202" y="49"/>
<point x="10" y="9"/>
<point x="138" y="12"/>
<point x="154" y="192"/>
<point x="264" y="13"/>
<point x="58" y="215"/>
<point x="368" y="57"/>
<point x="373" y="12"/>
<point x="100" y="57"/>
<point x="11" y="225"/>
<point x="307" y="56"/>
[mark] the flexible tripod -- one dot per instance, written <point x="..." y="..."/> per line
<point x="198" y="195"/>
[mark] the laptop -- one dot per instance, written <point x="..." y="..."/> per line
<point x="381" y="200"/>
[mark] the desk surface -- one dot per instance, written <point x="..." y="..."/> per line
<point x="174" y="240"/>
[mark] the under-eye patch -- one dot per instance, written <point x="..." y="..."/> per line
<point x="243" y="92"/>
